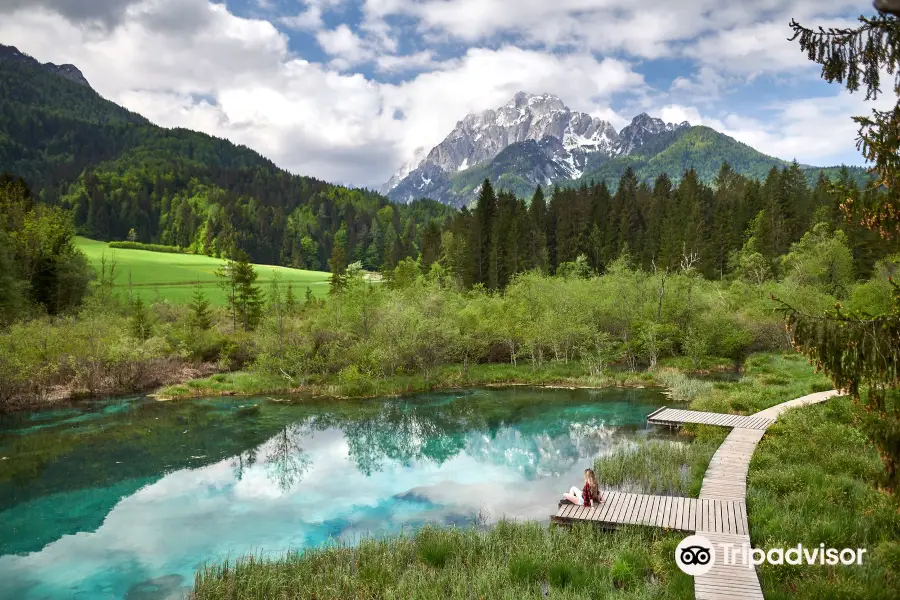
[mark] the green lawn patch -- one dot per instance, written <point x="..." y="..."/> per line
<point x="172" y="277"/>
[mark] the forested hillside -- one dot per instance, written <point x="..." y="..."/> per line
<point x="118" y="172"/>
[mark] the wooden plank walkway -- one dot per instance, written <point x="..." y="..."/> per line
<point x="719" y="513"/>
<point x="727" y="582"/>
<point x="671" y="512"/>
<point x="675" y="416"/>
<point x="726" y="476"/>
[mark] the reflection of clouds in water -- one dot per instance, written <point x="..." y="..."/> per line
<point x="544" y="455"/>
<point x="307" y="483"/>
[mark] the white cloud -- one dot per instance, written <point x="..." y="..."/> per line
<point x="306" y="20"/>
<point x="194" y="64"/>
<point x="344" y="45"/>
<point x="674" y="113"/>
<point x="647" y="29"/>
<point x="756" y="48"/>
<point x="393" y="63"/>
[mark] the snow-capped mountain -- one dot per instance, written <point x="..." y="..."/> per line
<point x="562" y="143"/>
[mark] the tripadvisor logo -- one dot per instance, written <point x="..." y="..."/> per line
<point x="696" y="555"/>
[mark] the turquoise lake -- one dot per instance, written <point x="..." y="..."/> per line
<point x="126" y="498"/>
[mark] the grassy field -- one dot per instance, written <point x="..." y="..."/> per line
<point x="814" y="479"/>
<point x="172" y="276"/>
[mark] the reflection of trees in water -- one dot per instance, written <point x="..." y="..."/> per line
<point x="286" y="462"/>
<point x="283" y="457"/>
<point x="403" y="434"/>
<point x="543" y="454"/>
<point x="537" y="439"/>
<point x="243" y="461"/>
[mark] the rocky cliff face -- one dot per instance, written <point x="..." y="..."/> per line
<point x="71" y="72"/>
<point x="640" y="131"/>
<point x="557" y="144"/>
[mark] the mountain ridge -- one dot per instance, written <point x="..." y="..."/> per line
<point x="118" y="173"/>
<point x="648" y="144"/>
<point x="68" y="71"/>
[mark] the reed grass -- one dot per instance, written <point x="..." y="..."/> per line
<point x="509" y="560"/>
<point x="670" y="467"/>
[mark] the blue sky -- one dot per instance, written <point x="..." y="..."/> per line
<point x="347" y="90"/>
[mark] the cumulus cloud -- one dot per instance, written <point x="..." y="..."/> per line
<point x="105" y="12"/>
<point x="793" y="129"/>
<point x="193" y="63"/>
<point x="392" y="63"/>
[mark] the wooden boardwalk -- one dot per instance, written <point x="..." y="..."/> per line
<point x="671" y="512"/>
<point x="675" y="416"/>
<point x="726" y="476"/>
<point x="727" y="582"/>
<point x="720" y="512"/>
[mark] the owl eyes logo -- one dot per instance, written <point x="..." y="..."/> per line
<point x="695" y="555"/>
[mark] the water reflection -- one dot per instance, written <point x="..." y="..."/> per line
<point x="125" y="503"/>
<point x="285" y="460"/>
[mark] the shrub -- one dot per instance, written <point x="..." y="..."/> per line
<point x="149" y="247"/>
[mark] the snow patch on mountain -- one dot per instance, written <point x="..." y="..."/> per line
<point x="568" y="138"/>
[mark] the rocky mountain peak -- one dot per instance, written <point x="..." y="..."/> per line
<point x="479" y="137"/>
<point x="643" y="126"/>
<point x="70" y="72"/>
<point x="548" y="140"/>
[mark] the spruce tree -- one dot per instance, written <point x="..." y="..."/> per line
<point x="201" y="316"/>
<point x="725" y="237"/>
<point x="141" y="328"/>
<point x="485" y="214"/>
<point x="628" y="217"/>
<point x="290" y="300"/>
<point x="659" y="200"/>
<point x="337" y="264"/>
<point x="536" y="228"/>
<point x="249" y="297"/>
<point x="861" y="353"/>
<point x="431" y="246"/>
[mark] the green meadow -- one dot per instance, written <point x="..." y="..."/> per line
<point x="172" y="277"/>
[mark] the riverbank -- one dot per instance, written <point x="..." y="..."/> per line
<point x="353" y="384"/>
<point x="814" y="479"/>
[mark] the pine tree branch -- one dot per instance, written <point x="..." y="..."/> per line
<point x="846" y="55"/>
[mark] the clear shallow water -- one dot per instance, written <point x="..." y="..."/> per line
<point x="125" y="499"/>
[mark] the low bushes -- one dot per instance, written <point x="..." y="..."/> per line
<point x="149" y="247"/>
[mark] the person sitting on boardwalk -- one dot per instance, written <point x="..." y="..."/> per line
<point x="590" y="492"/>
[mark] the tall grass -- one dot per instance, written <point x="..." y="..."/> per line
<point x="660" y="466"/>
<point x="769" y="379"/>
<point x="813" y="480"/>
<point x="680" y="387"/>
<point x="510" y="560"/>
